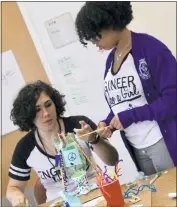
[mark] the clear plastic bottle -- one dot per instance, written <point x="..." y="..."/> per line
<point x="71" y="147"/>
<point x="67" y="146"/>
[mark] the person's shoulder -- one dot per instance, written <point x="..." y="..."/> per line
<point x="76" y="119"/>
<point x="26" y="142"/>
<point x="148" y="41"/>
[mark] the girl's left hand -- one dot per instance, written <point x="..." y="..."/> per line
<point x="85" y="128"/>
<point x="115" y="123"/>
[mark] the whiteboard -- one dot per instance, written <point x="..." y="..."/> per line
<point x="12" y="81"/>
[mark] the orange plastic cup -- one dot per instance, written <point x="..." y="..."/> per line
<point x="113" y="194"/>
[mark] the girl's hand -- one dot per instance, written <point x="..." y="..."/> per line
<point x="115" y="123"/>
<point x="19" y="200"/>
<point x="85" y="128"/>
<point x="103" y="130"/>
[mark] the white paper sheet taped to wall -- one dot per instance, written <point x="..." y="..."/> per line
<point x="12" y="81"/>
<point x="75" y="80"/>
<point x="61" y="30"/>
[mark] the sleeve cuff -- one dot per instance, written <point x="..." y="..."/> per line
<point x="19" y="177"/>
<point x="125" y="118"/>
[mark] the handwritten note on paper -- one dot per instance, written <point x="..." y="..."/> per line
<point x="71" y="70"/>
<point x="79" y="95"/>
<point x="61" y="30"/>
<point x="12" y="81"/>
<point x="74" y="78"/>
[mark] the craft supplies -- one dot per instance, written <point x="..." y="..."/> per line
<point x="140" y="175"/>
<point x="60" y="202"/>
<point x="141" y="179"/>
<point x="137" y="191"/>
<point x="147" y="177"/>
<point x="134" y="199"/>
<point x="72" y="200"/>
<point x="112" y="193"/>
<point x="63" y="201"/>
<point x="91" y="132"/>
<point x="80" y="178"/>
<point x="172" y="195"/>
<point x="108" y="176"/>
<point x="63" y="172"/>
<point x="24" y="204"/>
<point x="71" y="156"/>
<point x="71" y="160"/>
<point x="95" y="167"/>
<point x="131" y="184"/>
<point x="155" y="177"/>
<point x="117" y="169"/>
<point x="109" y="185"/>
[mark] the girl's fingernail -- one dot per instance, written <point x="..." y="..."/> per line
<point x="75" y="130"/>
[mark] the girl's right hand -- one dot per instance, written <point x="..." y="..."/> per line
<point x="103" y="130"/>
<point x="19" y="200"/>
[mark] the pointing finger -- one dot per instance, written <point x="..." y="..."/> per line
<point x="82" y="123"/>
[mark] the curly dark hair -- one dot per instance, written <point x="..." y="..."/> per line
<point x="24" y="106"/>
<point x="97" y="16"/>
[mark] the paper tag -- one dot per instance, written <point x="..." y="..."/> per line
<point x="71" y="157"/>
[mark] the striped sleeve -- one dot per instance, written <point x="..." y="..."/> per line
<point x="19" y="170"/>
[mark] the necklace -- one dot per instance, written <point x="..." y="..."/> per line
<point x="40" y="139"/>
<point x="119" y="55"/>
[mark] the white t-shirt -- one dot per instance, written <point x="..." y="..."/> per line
<point x="124" y="91"/>
<point x="28" y="154"/>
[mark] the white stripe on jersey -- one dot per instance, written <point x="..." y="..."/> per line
<point x="19" y="169"/>
<point x="18" y="174"/>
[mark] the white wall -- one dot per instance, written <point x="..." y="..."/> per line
<point x="155" y="18"/>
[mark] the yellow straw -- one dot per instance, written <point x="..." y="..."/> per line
<point x="113" y="174"/>
<point x="62" y="178"/>
<point x="61" y="171"/>
<point x="88" y="159"/>
<point x="93" y="132"/>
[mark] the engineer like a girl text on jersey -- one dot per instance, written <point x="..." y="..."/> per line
<point x="125" y="90"/>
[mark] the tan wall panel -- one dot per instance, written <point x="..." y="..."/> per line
<point x="16" y="37"/>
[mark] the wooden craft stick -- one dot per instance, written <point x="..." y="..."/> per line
<point x="93" y="132"/>
<point x="88" y="159"/>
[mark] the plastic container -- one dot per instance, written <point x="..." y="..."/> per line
<point x="80" y="179"/>
<point x="113" y="194"/>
